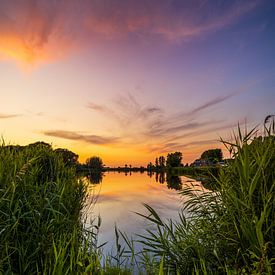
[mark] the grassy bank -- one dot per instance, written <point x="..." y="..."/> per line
<point x="40" y="215"/>
<point x="230" y="231"/>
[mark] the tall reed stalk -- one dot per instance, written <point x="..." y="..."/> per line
<point x="231" y="230"/>
<point x="41" y="200"/>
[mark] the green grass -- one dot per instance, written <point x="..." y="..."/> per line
<point x="229" y="231"/>
<point x="40" y="216"/>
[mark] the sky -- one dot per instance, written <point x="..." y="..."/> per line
<point x="129" y="80"/>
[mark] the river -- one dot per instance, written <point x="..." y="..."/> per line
<point x="117" y="197"/>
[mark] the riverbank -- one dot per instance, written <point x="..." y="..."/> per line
<point x="41" y="200"/>
<point x="229" y="231"/>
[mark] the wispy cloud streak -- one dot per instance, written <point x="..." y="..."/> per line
<point x="5" y="116"/>
<point x="210" y="103"/>
<point x="151" y="125"/>
<point x="92" y="139"/>
<point x="174" y="146"/>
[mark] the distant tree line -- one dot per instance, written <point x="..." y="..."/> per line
<point x="209" y="157"/>
<point x="162" y="163"/>
<point x="94" y="164"/>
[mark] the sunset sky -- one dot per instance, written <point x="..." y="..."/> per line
<point x="129" y="80"/>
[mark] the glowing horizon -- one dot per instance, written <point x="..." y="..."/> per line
<point x="132" y="80"/>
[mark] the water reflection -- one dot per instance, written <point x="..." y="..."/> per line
<point x="174" y="182"/>
<point x="95" y="178"/>
<point x="160" y="177"/>
<point x="120" y="195"/>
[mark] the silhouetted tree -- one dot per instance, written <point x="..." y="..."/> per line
<point x="174" y="159"/>
<point x="212" y="156"/>
<point x="69" y="157"/>
<point x="161" y="162"/>
<point x="95" y="164"/>
<point x="150" y="166"/>
<point x="40" y="144"/>
<point x="157" y="162"/>
<point x="141" y="169"/>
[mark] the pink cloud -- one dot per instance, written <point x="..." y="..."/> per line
<point x="41" y="30"/>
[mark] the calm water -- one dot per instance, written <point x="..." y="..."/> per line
<point x="119" y="196"/>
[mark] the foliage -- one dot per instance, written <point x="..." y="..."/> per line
<point x="150" y="166"/>
<point x="69" y="157"/>
<point x="212" y="156"/>
<point x="41" y="231"/>
<point x="230" y="231"/>
<point x="174" y="159"/>
<point x="160" y="163"/>
<point x="40" y="202"/>
<point x="95" y="164"/>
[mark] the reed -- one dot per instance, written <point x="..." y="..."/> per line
<point x="41" y="202"/>
<point x="229" y="231"/>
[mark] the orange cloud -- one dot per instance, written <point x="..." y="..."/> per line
<point x="32" y="31"/>
<point x="41" y="30"/>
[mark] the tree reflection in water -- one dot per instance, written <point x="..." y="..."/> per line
<point x="95" y="178"/>
<point x="160" y="177"/>
<point x="173" y="182"/>
<point x="150" y="173"/>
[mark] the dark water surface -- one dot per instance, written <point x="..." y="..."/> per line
<point x="118" y="196"/>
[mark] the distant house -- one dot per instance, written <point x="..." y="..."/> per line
<point x="196" y="163"/>
<point x="201" y="162"/>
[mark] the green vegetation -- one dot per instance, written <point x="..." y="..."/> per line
<point x="40" y="215"/>
<point x="212" y="156"/>
<point x="68" y="157"/>
<point x="230" y="231"/>
<point x="160" y="164"/>
<point x="174" y="160"/>
<point x="95" y="164"/>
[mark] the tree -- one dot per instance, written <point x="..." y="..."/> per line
<point x="212" y="156"/>
<point x="95" y="164"/>
<point x="150" y="166"/>
<point x="39" y="144"/>
<point x="69" y="157"/>
<point x="174" y="159"/>
<point x="162" y="161"/>
<point x="157" y="163"/>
